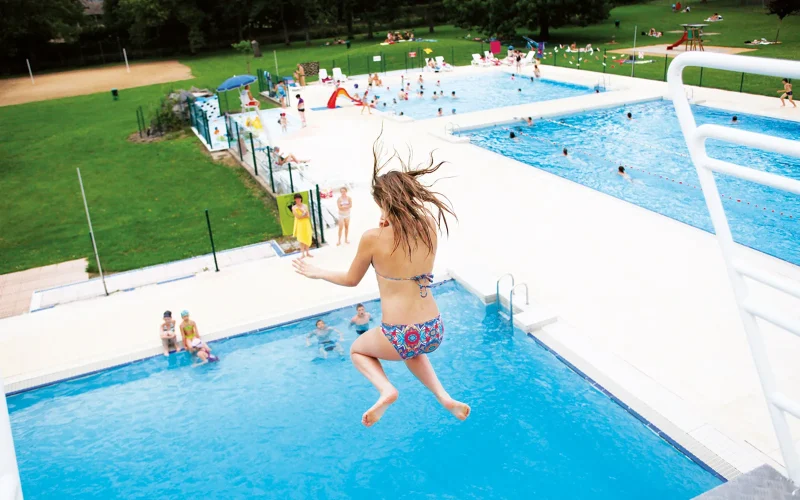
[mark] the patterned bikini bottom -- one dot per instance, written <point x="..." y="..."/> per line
<point x="412" y="340"/>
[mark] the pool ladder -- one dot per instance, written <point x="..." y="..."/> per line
<point x="452" y="128"/>
<point x="514" y="286"/>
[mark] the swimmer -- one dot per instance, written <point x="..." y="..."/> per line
<point x="435" y="96"/>
<point x="565" y="152"/>
<point x="512" y="76"/>
<point x="621" y="172"/>
<point x="420" y="80"/>
<point x="596" y="91"/>
<point x="439" y="112"/>
<point x="402" y="252"/>
<point x="536" y="71"/>
<point x="787" y="92"/>
<point x="453" y="94"/>
<point x="519" y="90"/>
<point x="401" y="94"/>
<point x="401" y="113"/>
<point x="202" y="351"/>
<point x="529" y="121"/>
<point x="361" y="320"/>
<point x="735" y="119"/>
<point x="394" y="101"/>
<point x="531" y="79"/>
<point x="438" y="83"/>
<point x="512" y="135"/>
<point x="324" y="341"/>
<point x="453" y="111"/>
<point x="629" y="115"/>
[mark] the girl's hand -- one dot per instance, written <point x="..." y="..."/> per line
<point x="306" y="269"/>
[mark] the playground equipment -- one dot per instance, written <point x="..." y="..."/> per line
<point x="255" y="123"/>
<point x="207" y="122"/>
<point x="692" y="37"/>
<point x="534" y="45"/>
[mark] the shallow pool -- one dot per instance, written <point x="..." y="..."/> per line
<point x="269" y="420"/>
<point x="652" y="149"/>
<point x="473" y="93"/>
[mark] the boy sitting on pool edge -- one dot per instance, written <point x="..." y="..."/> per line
<point x="323" y="334"/>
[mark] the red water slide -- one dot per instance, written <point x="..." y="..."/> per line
<point x="337" y="93"/>
<point x="683" y="39"/>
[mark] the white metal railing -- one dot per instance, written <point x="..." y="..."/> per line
<point x="750" y="307"/>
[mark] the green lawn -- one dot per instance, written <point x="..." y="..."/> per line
<point x="741" y="23"/>
<point x="148" y="200"/>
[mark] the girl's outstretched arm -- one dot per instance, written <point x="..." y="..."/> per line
<point x="352" y="276"/>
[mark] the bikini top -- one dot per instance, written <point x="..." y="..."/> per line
<point x="423" y="281"/>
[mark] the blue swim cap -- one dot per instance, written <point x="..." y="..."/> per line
<point x="184" y="313"/>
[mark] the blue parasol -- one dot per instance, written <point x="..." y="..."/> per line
<point x="236" y="82"/>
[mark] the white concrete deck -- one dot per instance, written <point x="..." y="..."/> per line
<point x="643" y="300"/>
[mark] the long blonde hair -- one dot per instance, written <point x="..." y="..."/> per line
<point x="406" y="202"/>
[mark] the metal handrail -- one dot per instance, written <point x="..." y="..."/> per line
<point x="453" y="128"/>
<point x="778" y="404"/>
<point x="511" y="300"/>
<point x="497" y="288"/>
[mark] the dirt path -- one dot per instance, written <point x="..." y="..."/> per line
<point x="89" y="81"/>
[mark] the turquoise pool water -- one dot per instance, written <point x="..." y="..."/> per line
<point x="271" y="421"/>
<point x="473" y="93"/>
<point x="652" y="149"/>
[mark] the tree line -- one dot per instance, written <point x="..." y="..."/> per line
<point x="165" y="27"/>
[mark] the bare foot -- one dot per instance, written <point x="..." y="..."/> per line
<point x="457" y="408"/>
<point x="309" y="256"/>
<point x="375" y="413"/>
<point x="347" y="241"/>
<point x="166" y="353"/>
<point x="338" y="243"/>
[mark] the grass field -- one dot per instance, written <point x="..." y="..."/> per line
<point x="148" y="200"/>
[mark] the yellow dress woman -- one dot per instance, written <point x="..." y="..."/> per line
<point x="302" y="226"/>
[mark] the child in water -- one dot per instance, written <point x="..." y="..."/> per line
<point x="323" y="334"/>
<point x="203" y="352"/>
<point x="361" y="320"/>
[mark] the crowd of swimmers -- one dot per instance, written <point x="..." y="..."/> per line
<point x="186" y="336"/>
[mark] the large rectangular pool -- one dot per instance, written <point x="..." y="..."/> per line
<point x="652" y="149"/>
<point x="474" y="93"/>
<point x="270" y="420"/>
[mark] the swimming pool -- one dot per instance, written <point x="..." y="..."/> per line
<point x="270" y="420"/>
<point x="474" y="93"/>
<point x="654" y="153"/>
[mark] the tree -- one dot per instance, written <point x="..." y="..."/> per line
<point x="782" y="8"/>
<point x="245" y="48"/>
<point x="505" y="17"/>
<point x="23" y="27"/>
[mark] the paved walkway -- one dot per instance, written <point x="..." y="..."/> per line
<point x="82" y="288"/>
<point x="16" y="288"/>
